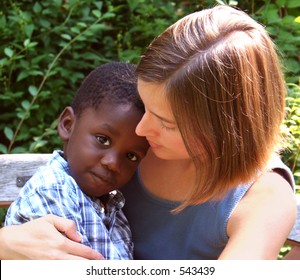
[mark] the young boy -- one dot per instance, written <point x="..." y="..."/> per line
<point x="101" y="153"/>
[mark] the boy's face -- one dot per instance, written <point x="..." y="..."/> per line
<point x="101" y="146"/>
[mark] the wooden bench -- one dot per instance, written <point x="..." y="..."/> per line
<point x="16" y="169"/>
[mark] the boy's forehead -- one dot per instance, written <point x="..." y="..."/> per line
<point x="115" y="112"/>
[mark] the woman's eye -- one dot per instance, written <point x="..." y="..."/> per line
<point x="103" y="140"/>
<point x="166" y="127"/>
<point x="132" y="157"/>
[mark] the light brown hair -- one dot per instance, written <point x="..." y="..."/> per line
<point x="224" y="81"/>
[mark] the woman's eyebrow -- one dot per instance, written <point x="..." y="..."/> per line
<point x="163" y="119"/>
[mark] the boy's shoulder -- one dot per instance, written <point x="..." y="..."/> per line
<point x="54" y="174"/>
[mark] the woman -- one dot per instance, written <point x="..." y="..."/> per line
<point x="210" y="186"/>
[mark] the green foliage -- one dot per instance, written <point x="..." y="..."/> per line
<point x="282" y="20"/>
<point x="47" y="47"/>
<point x="291" y="129"/>
<point x="2" y="216"/>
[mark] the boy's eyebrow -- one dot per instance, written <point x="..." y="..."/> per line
<point x="110" y="128"/>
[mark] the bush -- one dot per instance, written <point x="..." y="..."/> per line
<point x="291" y="129"/>
<point x="47" y="48"/>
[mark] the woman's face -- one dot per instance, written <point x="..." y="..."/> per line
<point x="158" y="124"/>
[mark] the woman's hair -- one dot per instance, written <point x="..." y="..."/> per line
<point x="223" y="79"/>
<point x="113" y="82"/>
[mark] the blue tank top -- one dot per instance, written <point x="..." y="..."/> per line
<point x="197" y="232"/>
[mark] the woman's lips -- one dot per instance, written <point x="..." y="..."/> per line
<point x="153" y="145"/>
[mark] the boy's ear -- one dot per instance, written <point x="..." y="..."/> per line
<point x="66" y="123"/>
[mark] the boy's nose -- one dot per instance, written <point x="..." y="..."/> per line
<point x="111" y="161"/>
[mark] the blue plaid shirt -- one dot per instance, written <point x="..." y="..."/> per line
<point x="52" y="190"/>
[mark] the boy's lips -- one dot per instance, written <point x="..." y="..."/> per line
<point x="104" y="178"/>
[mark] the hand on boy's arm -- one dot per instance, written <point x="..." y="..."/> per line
<point x="42" y="239"/>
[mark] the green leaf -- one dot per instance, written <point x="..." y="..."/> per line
<point x="2" y="21"/>
<point x="108" y="15"/>
<point x="32" y="44"/>
<point x="280" y="3"/>
<point x="81" y="25"/>
<point x="44" y="23"/>
<point x="22" y="75"/>
<point x="28" y="30"/>
<point x="8" y="133"/>
<point x="66" y="36"/>
<point x="75" y="29"/>
<point x="3" y="149"/>
<point x="292" y="3"/>
<point x="233" y="3"/>
<point x="22" y="115"/>
<point x="9" y="52"/>
<point x="26" y="104"/>
<point x="36" y="145"/>
<point x="26" y="43"/>
<point x="19" y="150"/>
<point x="37" y="8"/>
<point x="99" y="5"/>
<point x="3" y="61"/>
<point x="96" y="13"/>
<point x="220" y="2"/>
<point x="32" y="90"/>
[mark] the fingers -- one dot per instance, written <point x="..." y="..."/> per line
<point x="65" y="226"/>
<point x="75" y="250"/>
<point x="79" y="251"/>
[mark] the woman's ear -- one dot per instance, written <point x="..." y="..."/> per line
<point x="66" y="123"/>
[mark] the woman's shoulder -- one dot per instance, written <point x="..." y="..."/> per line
<point x="262" y="220"/>
<point x="271" y="199"/>
<point x="275" y="185"/>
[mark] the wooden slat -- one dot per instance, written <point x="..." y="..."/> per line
<point x="14" y="170"/>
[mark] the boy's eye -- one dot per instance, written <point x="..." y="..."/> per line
<point x="103" y="140"/>
<point x="132" y="157"/>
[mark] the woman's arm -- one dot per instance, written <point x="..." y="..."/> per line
<point x="262" y="220"/>
<point x="43" y="239"/>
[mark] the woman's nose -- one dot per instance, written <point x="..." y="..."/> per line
<point x="144" y="127"/>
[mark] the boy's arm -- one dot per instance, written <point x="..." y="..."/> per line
<point x="59" y="200"/>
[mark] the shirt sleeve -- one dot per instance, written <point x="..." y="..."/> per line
<point x="39" y="198"/>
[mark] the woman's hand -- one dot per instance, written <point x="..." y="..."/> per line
<point x="42" y="239"/>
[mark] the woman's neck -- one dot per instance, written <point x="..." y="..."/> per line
<point x="167" y="179"/>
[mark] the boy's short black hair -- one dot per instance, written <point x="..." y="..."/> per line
<point x="113" y="82"/>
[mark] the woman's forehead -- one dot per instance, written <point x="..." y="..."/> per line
<point x="154" y="98"/>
